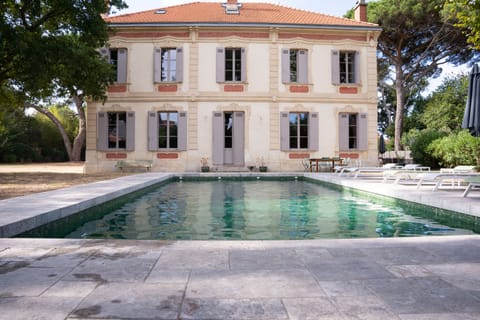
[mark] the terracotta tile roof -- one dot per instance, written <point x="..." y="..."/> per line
<point x="250" y="13"/>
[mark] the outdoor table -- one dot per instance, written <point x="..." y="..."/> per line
<point x="315" y="162"/>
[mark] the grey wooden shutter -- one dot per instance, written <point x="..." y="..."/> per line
<point x="217" y="132"/>
<point x="182" y="131"/>
<point x="157" y="65"/>
<point x="362" y="129"/>
<point x="220" y="65"/>
<point x="152" y="131"/>
<point x="356" y="63"/>
<point x="335" y="67"/>
<point x="244" y="66"/>
<point x="122" y="66"/>
<point x="238" y="138"/>
<point x="343" y="131"/>
<point x="284" y="131"/>
<point x="102" y="131"/>
<point x="179" y="66"/>
<point x="302" y="66"/>
<point x="130" y="144"/>
<point x="313" y="131"/>
<point x="285" y="66"/>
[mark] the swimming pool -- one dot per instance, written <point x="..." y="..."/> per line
<point x="255" y="210"/>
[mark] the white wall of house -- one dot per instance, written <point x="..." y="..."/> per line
<point x="263" y="98"/>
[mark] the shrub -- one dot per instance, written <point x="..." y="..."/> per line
<point x="419" y="142"/>
<point x="456" y="149"/>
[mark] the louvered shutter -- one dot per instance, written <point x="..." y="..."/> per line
<point x="102" y="131"/>
<point x="362" y="132"/>
<point x="343" y="131"/>
<point x="302" y="66"/>
<point x="152" y="131"/>
<point x="357" y="68"/>
<point x="220" y="65"/>
<point x="182" y="131"/>
<point x="285" y="66"/>
<point x="122" y="66"/>
<point x="244" y="65"/>
<point x="130" y="144"/>
<point x="238" y="138"/>
<point x="335" y="67"/>
<point x="217" y="132"/>
<point x="179" y="66"/>
<point x="284" y="132"/>
<point x="157" y="65"/>
<point x="313" y="131"/>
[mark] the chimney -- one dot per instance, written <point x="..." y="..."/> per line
<point x="361" y="11"/>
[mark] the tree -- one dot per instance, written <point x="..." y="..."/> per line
<point x="467" y="14"/>
<point x="445" y="107"/>
<point x="48" y="52"/>
<point x="416" y="40"/>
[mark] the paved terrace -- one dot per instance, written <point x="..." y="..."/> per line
<point x="408" y="278"/>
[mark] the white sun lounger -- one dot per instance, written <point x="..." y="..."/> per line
<point x="438" y="179"/>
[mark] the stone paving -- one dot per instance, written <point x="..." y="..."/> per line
<point x="401" y="278"/>
<point x="408" y="279"/>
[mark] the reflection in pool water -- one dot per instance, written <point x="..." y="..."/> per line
<point x="258" y="210"/>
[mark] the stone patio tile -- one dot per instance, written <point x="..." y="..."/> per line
<point x="194" y="259"/>
<point x="343" y="269"/>
<point x="249" y="284"/>
<point x="38" y="308"/>
<point x="312" y="309"/>
<point x="70" y="289"/>
<point x="25" y="281"/>
<point x="233" y="309"/>
<point x="458" y="251"/>
<point x="120" y="267"/>
<point x="424" y="295"/>
<point x="439" y="316"/>
<point x="353" y="288"/>
<point x="365" y="307"/>
<point x="66" y="257"/>
<point x="313" y="255"/>
<point x="400" y="255"/>
<point x="23" y="254"/>
<point x="159" y="275"/>
<point x="409" y="271"/>
<point x="132" y="301"/>
<point x="264" y="259"/>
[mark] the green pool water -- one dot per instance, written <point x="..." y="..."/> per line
<point x="257" y="210"/>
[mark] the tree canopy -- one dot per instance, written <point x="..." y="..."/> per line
<point x="416" y="41"/>
<point x="48" y="52"/>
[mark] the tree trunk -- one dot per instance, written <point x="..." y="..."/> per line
<point x="58" y="124"/>
<point x="79" y="141"/>
<point x="399" y="110"/>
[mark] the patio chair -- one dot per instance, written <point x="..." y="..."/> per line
<point x="473" y="184"/>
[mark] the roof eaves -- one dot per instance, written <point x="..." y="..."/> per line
<point x="221" y="24"/>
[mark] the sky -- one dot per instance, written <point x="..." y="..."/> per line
<point x="331" y="7"/>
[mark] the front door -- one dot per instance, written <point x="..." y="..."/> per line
<point x="228" y="138"/>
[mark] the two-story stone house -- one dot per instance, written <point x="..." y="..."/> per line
<point x="235" y="83"/>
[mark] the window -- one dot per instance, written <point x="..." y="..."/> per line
<point x="167" y="130"/>
<point x="298" y="131"/>
<point x="231" y="65"/>
<point x="295" y="66"/>
<point x="353" y="131"/>
<point x="168" y="65"/>
<point x="117" y="57"/>
<point x="345" y="67"/>
<point x="116" y="131"/>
